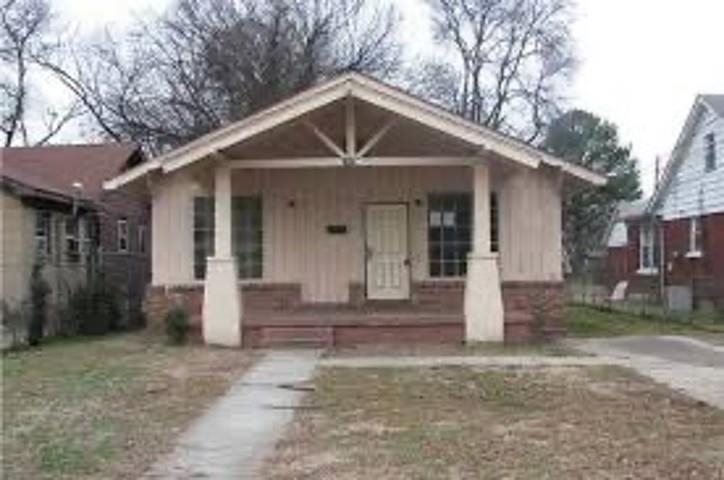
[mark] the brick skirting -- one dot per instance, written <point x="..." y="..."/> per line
<point x="532" y="310"/>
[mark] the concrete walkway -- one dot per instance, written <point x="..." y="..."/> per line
<point x="691" y="366"/>
<point x="471" y="361"/>
<point x="232" y="438"/>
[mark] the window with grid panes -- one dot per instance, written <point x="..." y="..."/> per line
<point x="449" y="225"/>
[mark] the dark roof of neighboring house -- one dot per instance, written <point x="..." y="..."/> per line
<point x="52" y="170"/>
<point x="716" y="102"/>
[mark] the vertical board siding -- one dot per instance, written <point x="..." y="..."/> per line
<point x="694" y="191"/>
<point x="298" y="205"/>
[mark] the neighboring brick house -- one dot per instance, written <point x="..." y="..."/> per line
<point x="689" y="204"/>
<point x="632" y="253"/>
<point x="677" y="240"/>
<point x="55" y="211"/>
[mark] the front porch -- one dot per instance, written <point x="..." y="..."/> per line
<point x="275" y="314"/>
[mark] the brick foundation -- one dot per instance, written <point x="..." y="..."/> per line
<point x="532" y="310"/>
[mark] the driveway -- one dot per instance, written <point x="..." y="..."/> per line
<point x="691" y="366"/>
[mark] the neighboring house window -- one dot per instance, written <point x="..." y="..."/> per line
<point x="246" y="225"/>
<point x="247" y="235"/>
<point x="142" y="239"/>
<point x="72" y="239"/>
<point x="43" y="239"/>
<point x="203" y="234"/>
<point x="122" y="235"/>
<point x="710" y="151"/>
<point x="494" y="223"/>
<point x="695" y="235"/>
<point x="647" y="248"/>
<point x="449" y="233"/>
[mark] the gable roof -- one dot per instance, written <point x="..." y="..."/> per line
<point x="702" y="103"/>
<point x="369" y="90"/>
<point x="52" y="170"/>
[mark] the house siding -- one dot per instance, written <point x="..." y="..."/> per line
<point x="692" y="190"/>
<point x="298" y="204"/>
<point x="19" y="255"/>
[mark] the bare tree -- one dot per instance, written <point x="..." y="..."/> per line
<point x="510" y="60"/>
<point x="24" y="43"/>
<point x="207" y="62"/>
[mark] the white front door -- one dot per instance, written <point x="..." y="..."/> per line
<point x="388" y="277"/>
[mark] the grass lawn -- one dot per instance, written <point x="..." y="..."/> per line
<point x="583" y="321"/>
<point x="104" y="407"/>
<point x="464" y="423"/>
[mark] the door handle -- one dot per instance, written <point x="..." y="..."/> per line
<point x="407" y="262"/>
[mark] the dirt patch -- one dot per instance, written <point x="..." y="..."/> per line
<point x="459" y="422"/>
<point x="105" y="408"/>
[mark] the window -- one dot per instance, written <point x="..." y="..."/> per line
<point x="72" y="245"/>
<point x="203" y="234"/>
<point x="695" y="235"/>
<point x="710" y="151"/>
<point x="448" y="234"/>
<point x="142" y="239"/>
<point x="494" y="222"/>
<point x="122" y="235"/>
<point x="246" y="227"/>
<point x="247" y="236"/>
<point x="647" y="249"/>
<point x="42" y="234"/>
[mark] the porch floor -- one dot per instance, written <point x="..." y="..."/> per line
<point x="347" y="315"/>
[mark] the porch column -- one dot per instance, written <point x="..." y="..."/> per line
<point x="222" y="300"/>
<point x="483" y="298"/>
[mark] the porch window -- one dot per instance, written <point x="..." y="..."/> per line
<point x="449" y="233"/>
<point x="246" y="240"/>
<point x="246" y="225"/>
<point x="43" y="240"/>
<point x="203" y="234"/>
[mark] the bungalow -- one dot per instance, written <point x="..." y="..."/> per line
<point x="56" y="213"/>
<point x="355" y="212"/>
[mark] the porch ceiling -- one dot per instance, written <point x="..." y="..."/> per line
<point x="405" y="138"/>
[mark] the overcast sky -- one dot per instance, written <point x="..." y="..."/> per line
<point x="642" y="62"/>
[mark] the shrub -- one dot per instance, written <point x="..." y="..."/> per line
<point x="92" y="309"/>
<point x="39" y="291"/>
<point x="177" y="325"/>
<point x="15" y="321"/>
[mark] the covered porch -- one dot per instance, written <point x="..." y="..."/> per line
<point x="356" y="211"/>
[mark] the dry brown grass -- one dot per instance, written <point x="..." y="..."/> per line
<point x="462" y="423"/>
<point x="105" y="408"/>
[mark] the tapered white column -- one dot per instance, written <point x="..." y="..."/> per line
<point x="222" y="300"/>
<point x="483" y="299"/>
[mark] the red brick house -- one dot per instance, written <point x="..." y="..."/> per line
<point x="631" y="254"/>
<point x="55" y="212"/>
<point x="689" y="206"/>
<point x="674" y="244"/>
